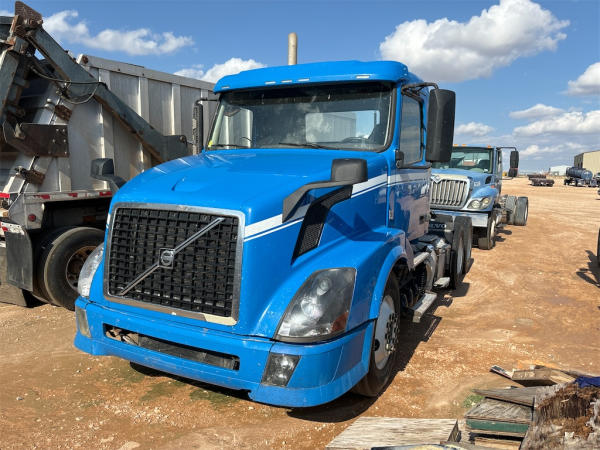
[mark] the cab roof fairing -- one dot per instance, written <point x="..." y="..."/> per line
<point x="315" y="73"/>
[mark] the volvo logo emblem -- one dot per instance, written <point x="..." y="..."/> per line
<point x="167" y="256"/>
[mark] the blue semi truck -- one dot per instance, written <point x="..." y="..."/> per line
<point x="470" y="185"/>
<point x="281" y="259"/>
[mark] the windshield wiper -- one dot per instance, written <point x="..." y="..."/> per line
<point x="303" y="144"/>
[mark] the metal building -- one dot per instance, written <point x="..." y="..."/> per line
<point x="558" y="170"/>
<point x="588" y="160"/>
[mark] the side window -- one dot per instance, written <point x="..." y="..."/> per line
<point x="411" y="136"/>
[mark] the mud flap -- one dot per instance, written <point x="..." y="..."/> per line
<point x="19" y="257"/>
<point x="8" y="294"/>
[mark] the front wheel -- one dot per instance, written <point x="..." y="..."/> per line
<point x="384" y="352"/>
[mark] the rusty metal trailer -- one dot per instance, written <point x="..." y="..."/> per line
<point x="57" y="116"/>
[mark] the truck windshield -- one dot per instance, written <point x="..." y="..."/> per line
<point x="349" y="116"/>
<point x="473" y="159"/>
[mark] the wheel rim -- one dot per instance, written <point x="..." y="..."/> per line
<point x="385" y="332"/>
<point x="526" y="213"/>
<point x="75" y="264"/>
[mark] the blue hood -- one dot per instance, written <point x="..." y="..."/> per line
<point x="254" y="182"/>
<point x="475" y="176"/>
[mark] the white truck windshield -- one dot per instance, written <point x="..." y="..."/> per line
<point x="473" y="159"/>
<point x="353" y="116"/>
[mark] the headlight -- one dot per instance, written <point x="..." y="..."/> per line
<point x="88" y="270"/>
<point x="320" y="308"/>
<point x="479" y="203"/>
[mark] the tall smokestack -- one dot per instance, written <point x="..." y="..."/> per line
<point x="292" y="49"/>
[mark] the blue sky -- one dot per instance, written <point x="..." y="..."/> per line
<point x="526" y="73"/>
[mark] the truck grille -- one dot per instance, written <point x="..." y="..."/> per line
<point x="199" y="272"/>
<point x="449" y="193"/>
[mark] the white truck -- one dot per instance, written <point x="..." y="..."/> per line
<point x="60" y="120"/>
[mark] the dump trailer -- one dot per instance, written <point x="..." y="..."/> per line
<point x="281" y="260"/>
<point x="470" y="185"/>
<point x="72" y="131"/>
<point x="578" y="176"/>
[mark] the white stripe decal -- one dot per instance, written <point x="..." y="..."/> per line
<point x="272" y="224"/>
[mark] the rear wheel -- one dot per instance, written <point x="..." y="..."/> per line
<point x="521" y="211"/>
<point x="487" y="241"/>
<point x="60" y="262"/>
<point x="384" y="353"/>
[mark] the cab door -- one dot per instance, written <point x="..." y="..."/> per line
<point x="409" y="184"/>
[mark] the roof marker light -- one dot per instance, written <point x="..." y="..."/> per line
<point x="303" y="79"/>
<point x="286" y="81"/>
<point x="363" y="77"/>
<point x="225" y="87"/>
<point x="270" y="82"/>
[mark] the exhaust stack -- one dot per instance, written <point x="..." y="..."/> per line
<point x="292" y="49"/>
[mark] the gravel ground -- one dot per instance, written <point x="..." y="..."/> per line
<point x="535" y="296"/>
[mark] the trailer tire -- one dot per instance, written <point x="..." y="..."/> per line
<point x="521" y="211"/>
<point x="62" y="255"/>
<point x="382" y="366"/>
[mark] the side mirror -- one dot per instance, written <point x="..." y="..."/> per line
<point x="103" y="169"/>
<point x="514" y="159"/>
<point x="344" y="172"/>
<point x="440" y="125"/>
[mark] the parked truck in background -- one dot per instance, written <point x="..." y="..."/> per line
<point x="578" y="176"/>
<point x="57" y="115"/>
<point x="470" y="185"/>
<point x="280" y="260"/>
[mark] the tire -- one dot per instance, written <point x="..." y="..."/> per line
<point x="513" y="172"/>
<point x="488" y="240"/>
<point x="510" y="205"/>
<point x="467" y="240"/>
<point x="382" y="362"/>
<point x="521" y="211"/>
<point x="598" y="250"/>
<point x="457" y="255"/>
<point x="62" y="255"/>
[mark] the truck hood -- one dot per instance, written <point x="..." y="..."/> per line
<point x="254" y="182"/>
<point x="478" y="178"/>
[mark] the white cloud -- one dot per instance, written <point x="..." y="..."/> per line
<point x="6" y="12"/>
<point x="473" y="129"/>
<point x="536" y="150"/>
<point x="575" y="122"/>
<point x="447" y="50"/>
<point x="218" y="71"/>
<point x="536" y="112"/>
<point x="64" y="27"/>
<point x="588" y="82"/>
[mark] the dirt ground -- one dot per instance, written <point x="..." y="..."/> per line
<point x="536" y="296"/>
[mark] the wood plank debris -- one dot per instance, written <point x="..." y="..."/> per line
<point x="522" y="396"/>
<point x="499" y="418"/>
<point x="368" y="432"/>
<point x="541" y="377"/>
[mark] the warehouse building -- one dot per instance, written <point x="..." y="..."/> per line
<point x="558" y="170"/>
<point x="588" y="160"/>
